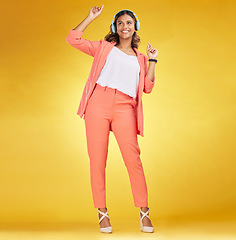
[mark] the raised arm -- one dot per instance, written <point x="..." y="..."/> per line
<point x="74" y="36"/>
<point x="94" y="12"/>
<point x="149" y="81"/>
<point x="150" y="70"/>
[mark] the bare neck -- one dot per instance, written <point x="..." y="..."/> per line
<point x="124" y="44"/>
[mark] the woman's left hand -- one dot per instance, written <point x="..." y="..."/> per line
<point x="151" y="51"/>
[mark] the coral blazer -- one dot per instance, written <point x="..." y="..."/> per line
<point x="100" y="50"/>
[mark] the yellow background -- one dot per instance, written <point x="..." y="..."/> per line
<point x="188" y="149"/>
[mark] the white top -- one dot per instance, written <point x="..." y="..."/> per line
<point x="121" y="72"/>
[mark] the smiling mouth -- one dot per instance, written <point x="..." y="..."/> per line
<point x="125" y="31"/>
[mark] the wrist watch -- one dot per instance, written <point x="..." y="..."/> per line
<point x="152" y="60"/>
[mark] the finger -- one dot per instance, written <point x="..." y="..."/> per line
<point x="100" y="8"/>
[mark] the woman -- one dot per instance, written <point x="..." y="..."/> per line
<point x="112" y="101"/>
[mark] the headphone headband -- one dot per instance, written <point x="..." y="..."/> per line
<point x="137" y="23"/>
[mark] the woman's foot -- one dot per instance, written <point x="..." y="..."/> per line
<point x="105" y="225"/>
<point x="146" y="224"/>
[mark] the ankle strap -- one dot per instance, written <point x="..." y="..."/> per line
<point x="145" y="214"/>
<point x="104" y="215"/>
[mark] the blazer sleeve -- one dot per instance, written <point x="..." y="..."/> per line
<point x="84" y="45"/>
<point x="148" y="84"/>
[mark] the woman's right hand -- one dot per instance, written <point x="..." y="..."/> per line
<point x="94" y="12"/>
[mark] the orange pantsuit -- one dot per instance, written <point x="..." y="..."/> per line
<point x="106" y="109"/>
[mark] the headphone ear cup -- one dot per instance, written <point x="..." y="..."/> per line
<point x="113" y="28"/>
<point x="137" y="25"/>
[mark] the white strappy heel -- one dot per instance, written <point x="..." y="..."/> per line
<point x="105" y="229"/>
<point x="144" y="228"/>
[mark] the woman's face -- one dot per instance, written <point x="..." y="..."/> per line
<point x="125" y="26"/>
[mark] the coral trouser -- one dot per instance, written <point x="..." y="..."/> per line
<point x="108" y="110"/>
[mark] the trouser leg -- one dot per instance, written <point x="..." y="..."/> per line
<point x="125" y="131"/>
<point x="97" y="133"/>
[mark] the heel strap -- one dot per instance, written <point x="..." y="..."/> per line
<point x="104" y="215"/>
<point x="145" y="214"/>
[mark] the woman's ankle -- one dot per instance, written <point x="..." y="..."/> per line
<point x="103" y="209"/>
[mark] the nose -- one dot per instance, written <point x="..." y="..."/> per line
<point x="126" y="26"/>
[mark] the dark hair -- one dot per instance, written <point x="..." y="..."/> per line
<point x="114" y="37"/>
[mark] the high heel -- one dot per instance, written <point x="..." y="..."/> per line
<point x="145" y="228"/>
<point x="105" y="229"/>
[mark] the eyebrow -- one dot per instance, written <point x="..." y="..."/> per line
<point x="126" y="21"/>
